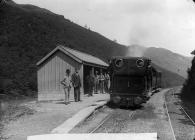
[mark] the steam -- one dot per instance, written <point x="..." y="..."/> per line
<point x="135" y="51"/>
<point x="143" y="29"/>
<point x="137" y="37"/>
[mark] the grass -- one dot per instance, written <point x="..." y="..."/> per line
<point x="11" y="112"/>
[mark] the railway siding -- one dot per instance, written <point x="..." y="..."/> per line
<point x="182" y="125"/>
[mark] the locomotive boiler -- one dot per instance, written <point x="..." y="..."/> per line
<point x="133" y="80"/>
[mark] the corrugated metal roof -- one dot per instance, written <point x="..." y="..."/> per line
<point x="85" y="57"/>
<point x="76" y="55"/>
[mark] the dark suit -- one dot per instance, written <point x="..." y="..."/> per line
<point x="91" y="84"/>
<point x="76" y="82"/>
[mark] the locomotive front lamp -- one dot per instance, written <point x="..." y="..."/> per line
<point x="140" y="63"/>
<point x="119" y="63"/>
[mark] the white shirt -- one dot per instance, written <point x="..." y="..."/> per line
<point x="67" y="81"/>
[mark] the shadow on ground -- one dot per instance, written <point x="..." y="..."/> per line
<point x="115" y="106"/>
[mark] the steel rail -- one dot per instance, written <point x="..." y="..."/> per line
<point x="190" y="120"/>
<point x="188" y="116"/>
<point x="101" y="123"/>
<point x="182" y="108"/>
<point x="169" y="116"/>
<point x="107" y="118"/>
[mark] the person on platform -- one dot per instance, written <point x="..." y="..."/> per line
<point x="107" y="82"/>
<point x="66" y="82"/>
<point x="91" y="83"/>
<point x="96" y="88"/>
<point x="101" y="83"/>
<point x="76" y="82"/>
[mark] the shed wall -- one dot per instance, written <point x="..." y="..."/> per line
<point x="51" y="72"/>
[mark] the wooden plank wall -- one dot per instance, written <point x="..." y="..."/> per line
<point x="51" y="72"/>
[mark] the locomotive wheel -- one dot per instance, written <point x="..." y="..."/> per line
<point x="112" y="104"/>
<point x="138" y="100"/>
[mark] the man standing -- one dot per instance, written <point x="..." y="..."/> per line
<point x="76" y="82"/>
<point x="66" y="82"/>
<point x="101" y="82"/>
<point x="107" y="82"/>
<point x="96" y="82"/>
<point x="91" y="83"/>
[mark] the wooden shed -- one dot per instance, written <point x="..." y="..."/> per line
<point x="51" y="70"/>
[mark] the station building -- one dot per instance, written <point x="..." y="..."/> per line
<point x="51" y="71"/>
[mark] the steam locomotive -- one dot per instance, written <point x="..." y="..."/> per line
<point x="133" y="80"/>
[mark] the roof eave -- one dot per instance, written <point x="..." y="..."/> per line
<point x="59" y="47"/>
<point x="95" y="65"/>
<point x="47" y="56"/>
<point x="53" y="51"/>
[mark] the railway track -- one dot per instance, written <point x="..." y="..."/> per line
<point x="188" y="116"/>
<point x="107" y="118"/>
<point x="167" y="111"/>
<point x="118" y="120"/>
<point x="101" y="123"/>
<point x="184" y="112"/>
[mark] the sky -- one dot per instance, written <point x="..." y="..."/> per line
<point x="167" y="24"/>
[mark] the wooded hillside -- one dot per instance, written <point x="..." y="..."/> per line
<point x="28" y="33"/>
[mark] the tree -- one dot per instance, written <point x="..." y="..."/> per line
<point x="85" y="26"/>
<point x="115" y="40"/>
<point x="188" y="90"/>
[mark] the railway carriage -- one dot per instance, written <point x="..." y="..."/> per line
<point x="133" y="80"/>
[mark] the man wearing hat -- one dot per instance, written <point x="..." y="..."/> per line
<point x="76" y="82"/>
<point x="66" y="82"/>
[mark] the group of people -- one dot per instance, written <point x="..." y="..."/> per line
<point x="98" y="83"/>
<point x="69" y="81"/>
